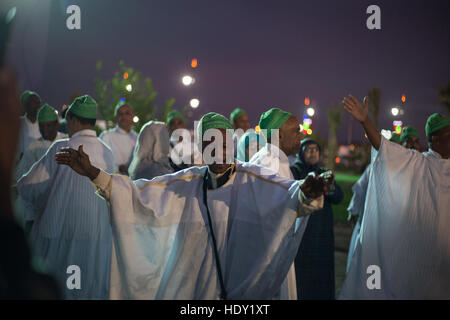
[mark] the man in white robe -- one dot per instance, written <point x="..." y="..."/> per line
<point x="71" y="233"/>
<point x="357" y="203"/>
<point x="274" y="155"/>
<point x="403" y="250"/>
<point x="167" y="247"/>
<point x="122" y="138"/>
<point x="48" y="128"/>
<point x="29" y="126"/>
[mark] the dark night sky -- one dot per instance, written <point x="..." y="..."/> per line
<point x="255" y="54"/>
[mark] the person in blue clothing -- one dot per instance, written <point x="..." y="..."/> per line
<point x="314" y="263"/>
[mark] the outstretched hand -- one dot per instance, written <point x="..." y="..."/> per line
<point x="78" y="161"/>
<point x="358" y="110"/>
<point x="314" y="187"/>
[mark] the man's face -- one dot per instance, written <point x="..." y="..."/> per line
<point x="49" y="129"/>
<point x="242" y="122"/>
<point x="175" y="124"/>
<point x="32" y="106"/>
<point x="441" y="142"/>
<point x="411" y="143"/>
<point x="124" y="118"/>
<point x="217" y="167"/>
<point x="290" y="136"/>
<point x="311" y="154"/>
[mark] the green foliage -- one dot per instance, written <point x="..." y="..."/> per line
<point x="141" y="98"/>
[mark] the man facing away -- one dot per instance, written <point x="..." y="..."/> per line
<point x="71" y="233"/>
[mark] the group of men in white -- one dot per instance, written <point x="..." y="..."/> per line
<point x="143" y="219"/>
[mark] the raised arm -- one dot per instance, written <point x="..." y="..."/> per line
<point x="360" y="112"/>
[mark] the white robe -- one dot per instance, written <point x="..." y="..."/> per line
<point x="71" y="224"/>
<point x="270" y="156"/>
<point x="356" y="208"/>
<point x="405" y="229"/>
<point x="28" y="133"/>
<point x="34" y="152"/>
<point x="122" y="144"/>
<point x="162" y="247"/>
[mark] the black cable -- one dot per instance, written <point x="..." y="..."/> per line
<point x="223" y="294"/>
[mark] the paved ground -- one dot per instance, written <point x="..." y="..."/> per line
<point x="342" y="235"/>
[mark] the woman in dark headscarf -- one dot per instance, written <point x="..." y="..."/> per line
<point x="314" y="264"/>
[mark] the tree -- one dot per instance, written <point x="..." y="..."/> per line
<point x="374" y="104"/>
<point x="334" y="115"/>
<point x="444" y="96"/>
<point x="140" y="95"/>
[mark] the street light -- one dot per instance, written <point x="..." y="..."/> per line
<point x="310" y="111"/>
<point x="129" y="87"/>
<point x="187" y="80"/>
<point x="395" y="111"/>
<point x="194" y="103"/>
<point x="135" y="119"/>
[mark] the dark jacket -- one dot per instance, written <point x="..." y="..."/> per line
<point x="314" y="263"/>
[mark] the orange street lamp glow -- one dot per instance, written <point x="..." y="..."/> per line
<point x="125" y="75"/>
<point x="307" y="102"/>
<point x="403" y="98"/>
<point x="194" y="63"/>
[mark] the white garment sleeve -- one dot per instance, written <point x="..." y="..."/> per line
<point x="103" y="184"/>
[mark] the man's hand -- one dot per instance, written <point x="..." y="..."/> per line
<point x="328" y="176"/>
<point x="358" y="110"/>
<point x="78" y="161"/>
<point x="314" y="187"/>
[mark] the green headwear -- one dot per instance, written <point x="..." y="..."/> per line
<point x="26" y="95"/>
<point x="213" y="120"/>
<point x="174" y="114"/>
<point x="408" y="132"/>
<point x="47" y="114"/>
<point x="435" y="122"/>
<point x="395" y="137"/>
<point x="236" y="114"/>
<point x="120" y="104"/>
<point x="84" y="107"/>
<point x="273" y="119"/>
